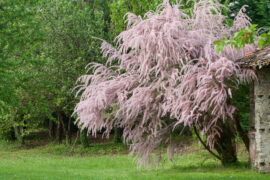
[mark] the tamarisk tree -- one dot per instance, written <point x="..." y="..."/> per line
<point x="164" y="72"/>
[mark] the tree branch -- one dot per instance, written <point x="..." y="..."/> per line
<point x="243" y="134"/>
<point x="204" y="144"/>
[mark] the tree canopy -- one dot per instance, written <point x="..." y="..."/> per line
<point x="163" y="72"/>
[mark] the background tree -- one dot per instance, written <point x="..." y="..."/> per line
<point x="119" y="8"/>
<point x="69" y="47"/>
<point x="45" y="46"/>
<point x="17" y="49"/>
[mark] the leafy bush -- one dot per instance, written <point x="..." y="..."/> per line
<point x="6" y="128"/>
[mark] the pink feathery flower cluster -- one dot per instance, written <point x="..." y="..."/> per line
<point x="164" y="72"/>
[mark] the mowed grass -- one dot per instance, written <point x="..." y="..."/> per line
<point x="109" y="162"/>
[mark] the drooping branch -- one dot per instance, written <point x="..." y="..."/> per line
<point x="241" y="132"/>
<point x="204" y="144"/>
<point x="165" y="64"/>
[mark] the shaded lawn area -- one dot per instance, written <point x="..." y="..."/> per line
<point x="55" y="162"/>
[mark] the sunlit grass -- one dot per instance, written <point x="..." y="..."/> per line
<point x="109" y="161"/>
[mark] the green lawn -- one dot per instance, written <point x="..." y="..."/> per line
<point x="55" y="162"/>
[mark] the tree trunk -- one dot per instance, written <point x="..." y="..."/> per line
<point x="68" y="136"/>
<point x="225" y="145"/>
<point x="59" y="130"/>
<point x="19" y="134"/>
<point x="118" y="132"/>
<point x="84" y="138"/>
<point x="51" y="129"/>
<point x="241" y="132"/>
<point x="64" y="129"/>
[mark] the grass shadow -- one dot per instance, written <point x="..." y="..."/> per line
<point x="209" y="167"/>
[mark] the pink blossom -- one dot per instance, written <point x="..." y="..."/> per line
<point x="167" y="74"/>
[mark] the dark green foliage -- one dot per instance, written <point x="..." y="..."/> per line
<point x="258" y="11"/>
<point x="6" y="129"/>
<point x="20" y="39"/>
<point x="241" y="101"/>
<point x="17" y="24"/>
<point x="119" y="8"/>
<point x="69" y="46"/>
<point x="44" y="48"/>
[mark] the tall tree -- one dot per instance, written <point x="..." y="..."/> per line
<point x="20" y="38"/>
<point x="17" y="25"/>
<point x="167" y="67"/>
<point x="70" y="45"/>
